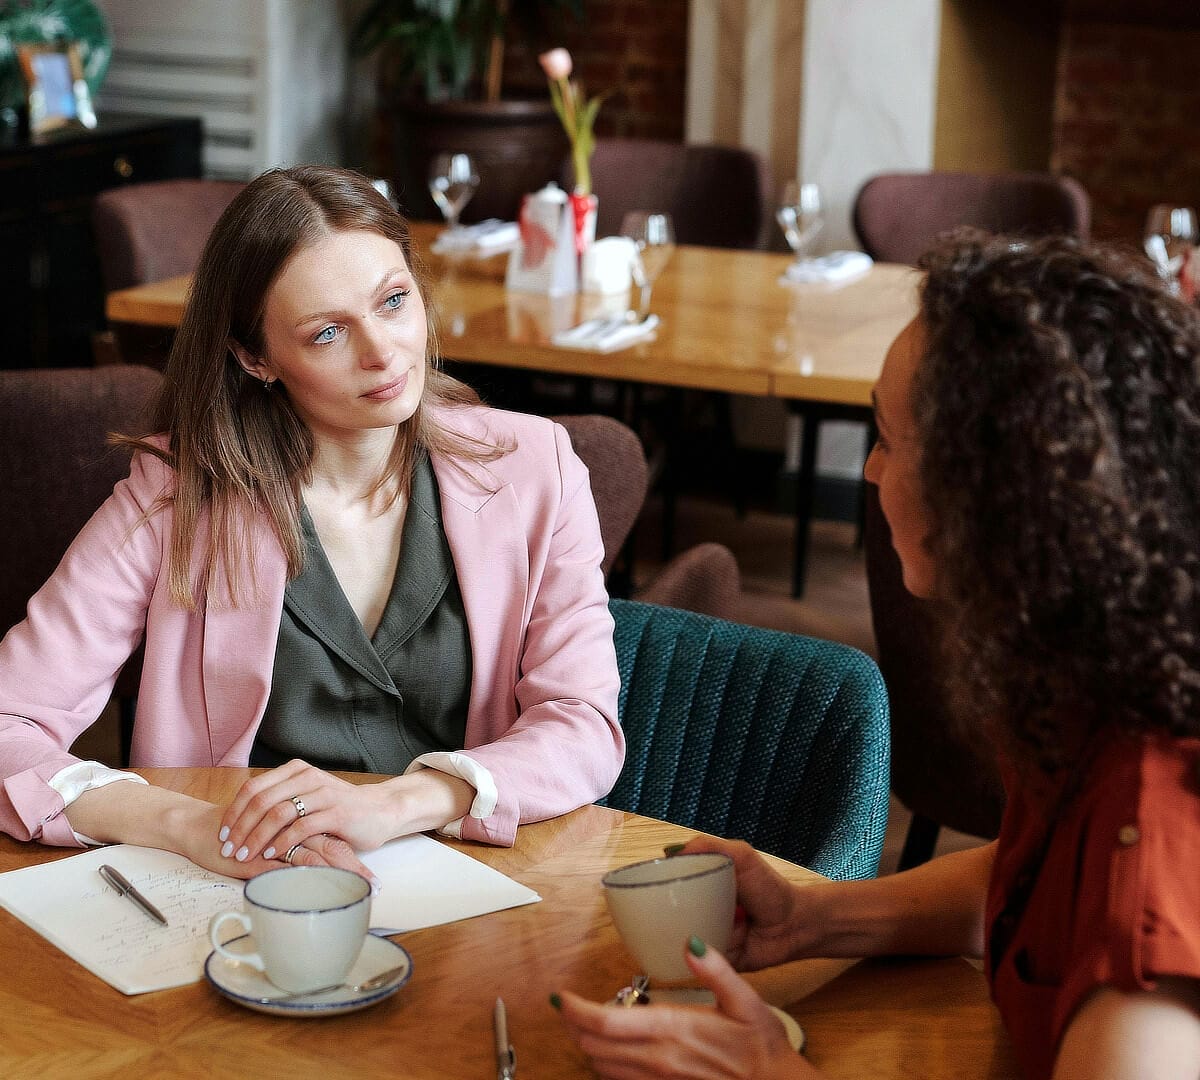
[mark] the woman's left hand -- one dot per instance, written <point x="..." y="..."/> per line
<point x="265" y="816"/>
<point x="739" y="1038"/>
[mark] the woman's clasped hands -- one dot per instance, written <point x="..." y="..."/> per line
<point x="302" y="815"/>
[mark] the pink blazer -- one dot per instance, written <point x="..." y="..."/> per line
<point x="526" y="543"/>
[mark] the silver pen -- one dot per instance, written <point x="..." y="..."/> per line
<point x="119" y="882"/>
<point x="506" y="1057"/>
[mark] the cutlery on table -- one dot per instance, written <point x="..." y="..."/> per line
<point x="375" y="982"/>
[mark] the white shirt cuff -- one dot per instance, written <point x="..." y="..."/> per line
<point x="465" y="768"/>
<point x="74" y="780"/>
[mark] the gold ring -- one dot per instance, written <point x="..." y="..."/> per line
<point x="291" y="852"/>
<point x="299" y="805"/>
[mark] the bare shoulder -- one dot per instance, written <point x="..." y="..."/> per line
<point x="1148" y="1034"/>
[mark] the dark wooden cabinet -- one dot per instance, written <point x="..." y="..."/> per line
<point x="50" y="285"/>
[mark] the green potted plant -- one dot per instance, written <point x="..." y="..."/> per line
<point x="441" y="73"/>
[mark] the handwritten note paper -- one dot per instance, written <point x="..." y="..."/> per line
<point x="424" y="884"/>
<point x="69" y="904"/>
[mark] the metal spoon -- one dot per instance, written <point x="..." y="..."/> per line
<point x="375" y="982"/>
<point x="635" y="994"/>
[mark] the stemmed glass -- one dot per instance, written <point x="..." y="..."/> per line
<point x="1171" y="232"/>
<point x="654" y="235"/>
<point x="799" y="215"/>
<point x="453" y="179"/>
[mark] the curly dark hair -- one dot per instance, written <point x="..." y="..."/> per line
<point x="1058" y="412"/>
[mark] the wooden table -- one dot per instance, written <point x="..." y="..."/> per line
<point x="727" y="325"/>
<point x="927" y="1018"/>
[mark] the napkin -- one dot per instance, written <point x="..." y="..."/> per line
<point x="837" y="267"/>
<point x="484" y="238"/>
<point x="606" y="334"/>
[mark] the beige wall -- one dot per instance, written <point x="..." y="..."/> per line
<point x="995" y="92"/>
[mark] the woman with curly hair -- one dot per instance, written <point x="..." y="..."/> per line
<point x="1037" y="463"/>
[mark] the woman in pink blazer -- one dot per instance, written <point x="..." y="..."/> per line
<point x="300" y="403"/>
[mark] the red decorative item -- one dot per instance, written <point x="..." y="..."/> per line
<point x="583" y="205"/>
<point x="1187" y="276"/>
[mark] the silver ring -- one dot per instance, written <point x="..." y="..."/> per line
<point x="299" y="805"/>
<point x="290" y="854"/>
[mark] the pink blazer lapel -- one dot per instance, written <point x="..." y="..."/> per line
<point x="487" y="540"/>
<point x="239" y="649"/>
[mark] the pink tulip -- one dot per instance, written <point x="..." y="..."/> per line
<point x="556" y="63"/>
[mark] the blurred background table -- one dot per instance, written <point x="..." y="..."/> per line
<point x="727" y="325"/>
<point x="895" y="1019"/>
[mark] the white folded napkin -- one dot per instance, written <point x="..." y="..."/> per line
<point x="606" y="334"/>
<point x="837" y="267"/>
<point x="484" y="238"/>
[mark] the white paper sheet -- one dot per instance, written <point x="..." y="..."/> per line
<point x="424" y="884"/>
<point x="427" y="884"/>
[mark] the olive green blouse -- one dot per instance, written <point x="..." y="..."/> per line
<point x="341" y="700"/>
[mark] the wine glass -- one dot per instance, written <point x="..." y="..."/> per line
<point x="654" y="235"/>
<point x="453" y="179"/>
<point x="799" y="215"/>
<point x="1170" y="233"/>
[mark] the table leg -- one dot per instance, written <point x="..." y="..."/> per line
<point x="806" y="482"/>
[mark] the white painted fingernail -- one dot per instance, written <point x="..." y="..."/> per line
<point x="224" y="834"/>
<point x="243" y="852"/>
<point x="376" y="886"/>
<point x="227" y="848"/>
<point x="269" y="853"/>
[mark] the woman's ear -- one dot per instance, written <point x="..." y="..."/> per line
<point x="254" y="366"/>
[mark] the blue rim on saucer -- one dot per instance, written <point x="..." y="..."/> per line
<point x="244" y="985"/>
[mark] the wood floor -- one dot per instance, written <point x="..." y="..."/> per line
<point x="835" y="605"/>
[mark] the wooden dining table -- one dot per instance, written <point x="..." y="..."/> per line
<point x="926" y="1018"/>
<point x="727" y="323"/>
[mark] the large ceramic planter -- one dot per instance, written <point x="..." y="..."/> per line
<point x="517" y="147"/>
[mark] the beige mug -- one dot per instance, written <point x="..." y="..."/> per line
<point x="659" y="904"/>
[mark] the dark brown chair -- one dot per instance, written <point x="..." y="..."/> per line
<point x="719" y="196"/>
<point x="56" y="469"/>
<point x="148" y="232"/>
<point x="704" y="578"/>
<point x="943" y="768"/>
<point x="898" y="215"/>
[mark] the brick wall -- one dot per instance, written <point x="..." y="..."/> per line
<point x="1127" y="111"/>
<point x="635" y="48"/>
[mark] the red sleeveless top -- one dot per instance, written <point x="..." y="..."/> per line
<point x="1116" y="899"/>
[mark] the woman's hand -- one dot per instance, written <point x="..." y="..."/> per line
<point x="316" y="851"/>
<point x="773" y="927"/>
<point x="740" y="1038"/>
<point x="264" y="821"/>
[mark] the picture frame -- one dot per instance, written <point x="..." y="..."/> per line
<point x="57" y="92"/>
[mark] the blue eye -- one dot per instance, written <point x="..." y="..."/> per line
<point x="396" y="300"/>
<point x="324" y="337"/>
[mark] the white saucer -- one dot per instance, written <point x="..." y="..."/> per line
<point x="241" y="983"/>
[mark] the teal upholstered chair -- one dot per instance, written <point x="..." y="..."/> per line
<point x="753" y="734"/>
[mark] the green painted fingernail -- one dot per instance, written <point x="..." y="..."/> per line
<point x="673" y="849"/>
<point x="556" y="1001"/>
<point x="696" y="947"/>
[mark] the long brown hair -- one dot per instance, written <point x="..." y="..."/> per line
<point x="1058" y="408"/>
<point x="236" y="448"/>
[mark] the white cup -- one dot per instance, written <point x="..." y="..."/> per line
<point x="658" y="905"/>
<point x="308" y="923"/>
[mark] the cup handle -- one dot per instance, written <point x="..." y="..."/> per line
<point x="240" y="917"/>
